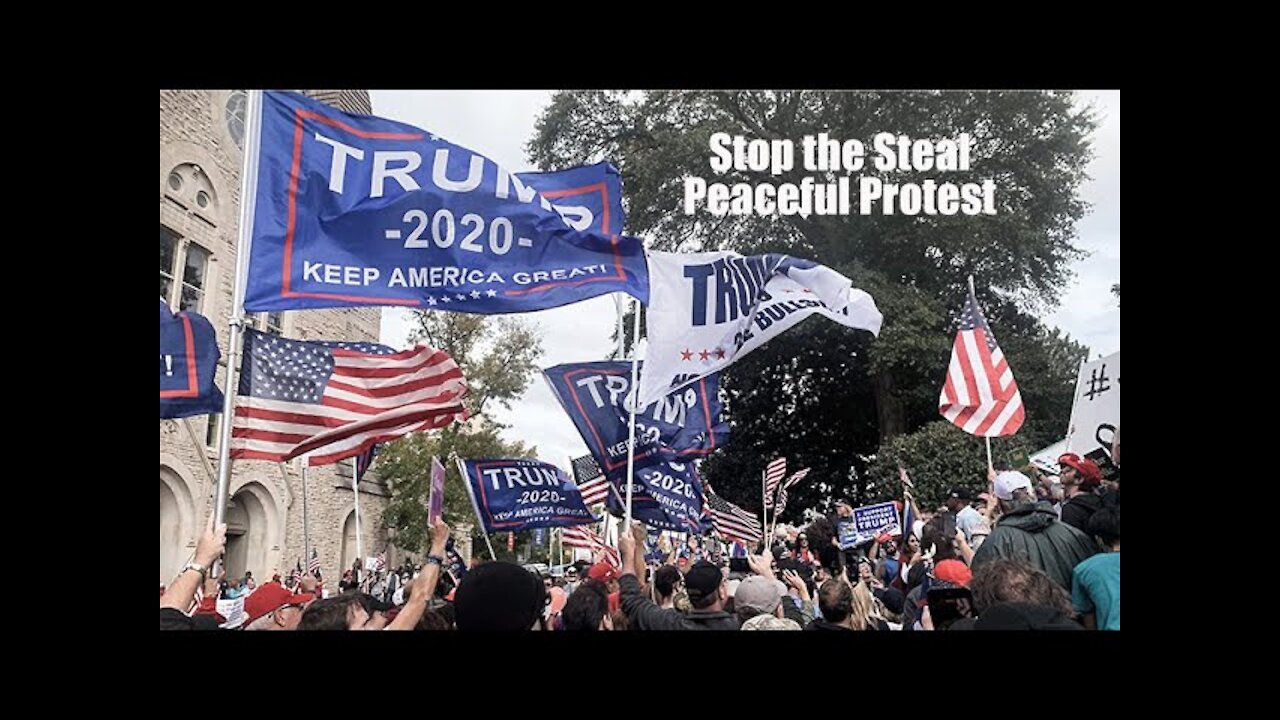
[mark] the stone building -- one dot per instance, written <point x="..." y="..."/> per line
<point x="201" y="134"/>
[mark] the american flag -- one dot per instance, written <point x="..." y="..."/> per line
<point x="732" y="521"/>
<point x="585" y="468"/>
<point x="772" y="476"/>
<point x="590" y="481"/>
<point x="297" y="396"/>
<point x="782" y="494"/>
<point x="980" y="395"/>
<point x="580" y="537"/>
<point x="594" y="491"/>
<point x="313" y="566"/>
<point x="380" y="563"/>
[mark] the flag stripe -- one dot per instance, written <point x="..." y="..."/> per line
<point x="390" y="387"/>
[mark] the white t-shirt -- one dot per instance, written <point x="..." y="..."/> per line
<point x="967" y="520"/>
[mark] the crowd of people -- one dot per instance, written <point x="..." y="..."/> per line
<point x="1029" y="555"/>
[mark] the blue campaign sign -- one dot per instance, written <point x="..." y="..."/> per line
<point x="188" y="361"/>
<point x="356" y="210"/>
<point x="871" y="520"/>
<point x="515" y="495"/>
<point x="847" y="532"/>
<point x="667" y="496"/>
<point x="682" y="426"/>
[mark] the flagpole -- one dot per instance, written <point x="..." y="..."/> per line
<point x="635" y="398"/>
<point x="619" y="300"/>
<point x="466" y="483"/>
<point x="974" y="295"/>
<point x="306" y="514"/>
<point x="248" y="194"/>
<point x="1071" y="429"/>
<point x="764" y="494"/>
<point x="355" y="489"/>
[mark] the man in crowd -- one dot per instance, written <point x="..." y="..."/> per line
<point x="587" y="609"/>
<point x="959" y="503"/>
<point x="704" y="583"/>
<point x="1095" y="583"/>
<point x="500" y="596"/>
<point x="179" y="594"/>
<point x="1031" y="531"/>
<point x="274" y="607"/>
<point x="1080" y="478"/>
<point x="666" y="581"/>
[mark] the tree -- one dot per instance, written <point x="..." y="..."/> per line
<point x="835" y="405"/>
<point x="1115" y="290"/>
<point x="497" y="358"/>
<point x="938" y="457"/>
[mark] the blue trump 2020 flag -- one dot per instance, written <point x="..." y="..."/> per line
<point x="515" y="495"/>
<point x="188" y="361"/>
<point x="682" y="426"/>
<point x="667" y="496"/>
<point x="356" y="210"/>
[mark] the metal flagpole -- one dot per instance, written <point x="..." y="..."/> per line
<point x="306" y="516"/>
<point x="764" y="495"/>
<point x="1071" y="429"/>
<point x="619" y="301"/>
<point x="248" y="195"/>
<point x="355" y="488"/>
<point x="631" y="425"/>
<point x="974" y="295"/>
<point x="466" y="483"/>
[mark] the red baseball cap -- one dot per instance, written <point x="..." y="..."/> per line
<point x="1090" y="473"/>
<point x="603" y="572"/>
<point x="953" y="571"/>
<point x="269" y="597"/>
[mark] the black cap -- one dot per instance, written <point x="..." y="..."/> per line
<point x="498" y="596"/>
<point x="702" y="580"/>
<point x="960" y="493"/>
<point x="892" y="598"/>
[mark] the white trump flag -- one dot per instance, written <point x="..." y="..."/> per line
<point x="708" y="309"/>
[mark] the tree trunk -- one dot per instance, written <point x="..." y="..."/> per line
<point x="888" y="407"/>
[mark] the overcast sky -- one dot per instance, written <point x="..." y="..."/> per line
<point x="497" y="124"/>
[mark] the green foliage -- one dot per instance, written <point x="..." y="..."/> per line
<point x="497" y="358"/>
<point x="938" y="457"/>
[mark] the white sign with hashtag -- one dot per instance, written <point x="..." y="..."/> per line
<point x="1095" y="414"/>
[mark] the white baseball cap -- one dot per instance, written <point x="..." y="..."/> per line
<point x="1009" y="481"/>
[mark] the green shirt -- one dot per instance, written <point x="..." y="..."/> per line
<point x="1095" y="588"/>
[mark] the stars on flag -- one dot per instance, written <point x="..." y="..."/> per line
<point x="704" y="355"/>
